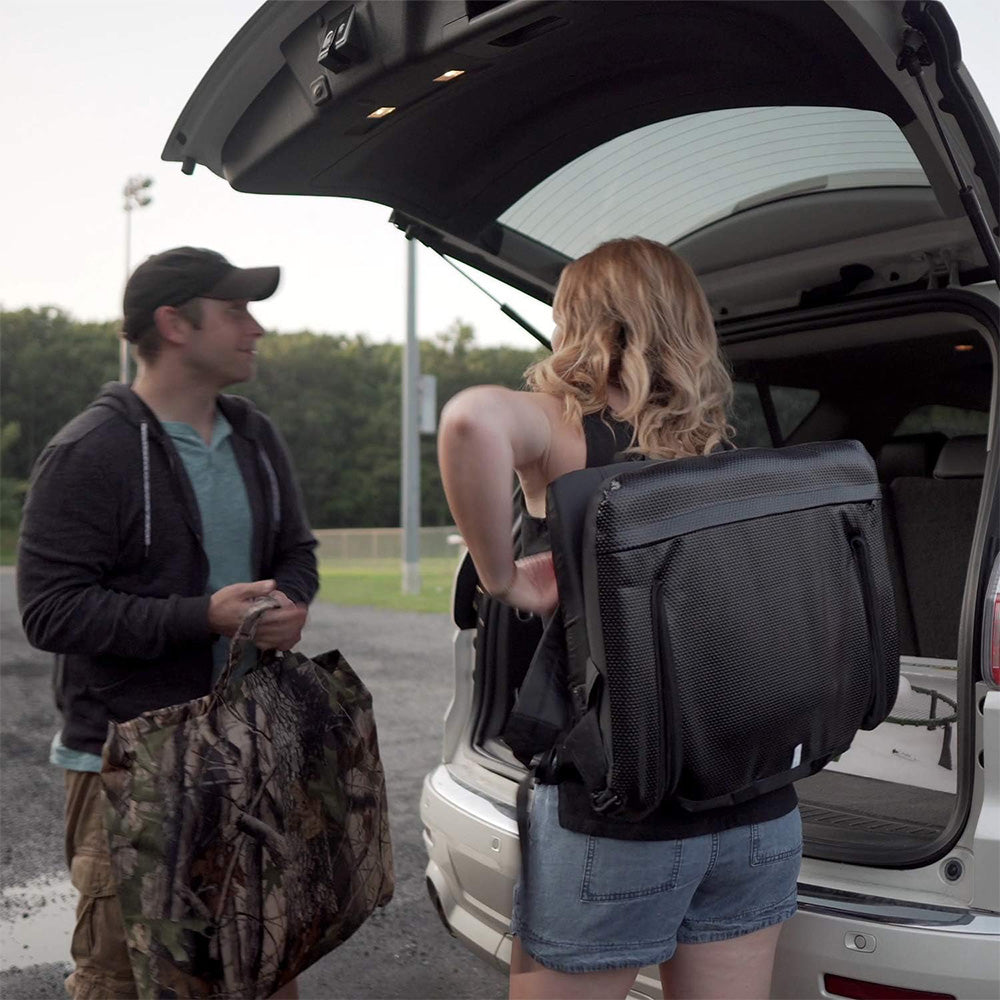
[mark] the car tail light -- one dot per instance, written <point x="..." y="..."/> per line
<point x="995" y="642"/>
<point x="859" y="989"/>
<point x="991" y="629"/>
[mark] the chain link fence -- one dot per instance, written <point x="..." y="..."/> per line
<point x="353" y="544"/>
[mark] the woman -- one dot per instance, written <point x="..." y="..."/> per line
<point x="635" y="367"/>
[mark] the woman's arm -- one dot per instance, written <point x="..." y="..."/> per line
<point x="487" y="433"/>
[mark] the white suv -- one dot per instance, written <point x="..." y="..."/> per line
<point x="830" y="172"/>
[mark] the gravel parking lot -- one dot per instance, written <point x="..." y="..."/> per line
<point x="403" y="951"/>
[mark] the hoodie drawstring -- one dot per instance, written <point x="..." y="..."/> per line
<point x="275" y="492"/>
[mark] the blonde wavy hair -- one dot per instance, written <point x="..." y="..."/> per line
<point x="631" y="314"/>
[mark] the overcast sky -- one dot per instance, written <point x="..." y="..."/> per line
<point x="89" y="90"/>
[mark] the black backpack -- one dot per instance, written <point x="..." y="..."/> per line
<point x="729" y="621"/>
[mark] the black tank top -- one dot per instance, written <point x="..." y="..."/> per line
<point x="606" y="438"/>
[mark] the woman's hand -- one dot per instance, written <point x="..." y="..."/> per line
<point x="533" y="586"/>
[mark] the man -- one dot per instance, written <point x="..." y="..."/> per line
<point x="153" y="520"/>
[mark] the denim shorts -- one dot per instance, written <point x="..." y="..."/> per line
<point x="600" y="903"/>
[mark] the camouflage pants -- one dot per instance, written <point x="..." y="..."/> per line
<point x="102" y="969"/>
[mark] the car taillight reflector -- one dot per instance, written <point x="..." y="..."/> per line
<point x="859" y="989"/>
<point x="990" y="649"/>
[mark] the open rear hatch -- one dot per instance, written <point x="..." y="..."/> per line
<point x="798" y="154"/>
<point x="834" y="148"/>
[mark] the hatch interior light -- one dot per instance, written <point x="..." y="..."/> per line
<point x="448" y="75"/>
<point x="381" y="112"/>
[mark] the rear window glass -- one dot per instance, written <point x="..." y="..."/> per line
<point x="668" y="179"/>
<point x="949" y="420"/>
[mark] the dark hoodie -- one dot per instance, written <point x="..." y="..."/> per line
<point x="111" y="571"/>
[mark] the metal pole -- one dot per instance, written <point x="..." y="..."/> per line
<point x="136" y="194"/>
<point x="410" y="468"/>
<point x="123" y="343"/>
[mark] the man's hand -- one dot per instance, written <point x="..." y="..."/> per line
<point x="228" y="605"/>
<point x="281" y="628"/>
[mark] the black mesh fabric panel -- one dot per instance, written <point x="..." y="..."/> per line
<point x="741" y="652"/>
<point x="645" y="500"/>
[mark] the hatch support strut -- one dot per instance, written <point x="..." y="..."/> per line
<point x="507" y="310"/>
<point x="913" y="57"/>
<point x="476" y="256"/>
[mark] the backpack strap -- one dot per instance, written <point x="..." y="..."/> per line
<point x="606" y="438"/>
<point x="544" y="772"/>
<point x="583" y="748"/>
<point x="541" y="711"/>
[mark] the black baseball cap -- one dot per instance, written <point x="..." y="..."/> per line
<point x="184" y="273"/>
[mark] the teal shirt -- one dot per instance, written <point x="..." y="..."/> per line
<point x="226" y="522"/>
<point x="72" y="760"/>
<point x="227" y="537"/>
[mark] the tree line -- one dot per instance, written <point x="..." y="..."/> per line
<point x="335" y="398"/>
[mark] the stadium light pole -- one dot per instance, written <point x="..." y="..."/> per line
<point x="136" y="192"/>
<point x="410" y="465"/>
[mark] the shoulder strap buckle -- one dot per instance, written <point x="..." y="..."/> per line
<point x="579" y="697"/>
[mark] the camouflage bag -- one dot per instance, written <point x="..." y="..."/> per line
<point x="248" y="829"/>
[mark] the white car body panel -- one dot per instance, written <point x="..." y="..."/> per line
<point x="474" y="855"/>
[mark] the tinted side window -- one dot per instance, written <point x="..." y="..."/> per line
<point x="747" y="417"/>
<point x="792" y="406"/>
<point x="949" y="420"/>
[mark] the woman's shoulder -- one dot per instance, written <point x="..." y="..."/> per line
<point x="480" y="399"/>
<point x="553" y="406"/>
<point x="497" y="394"/>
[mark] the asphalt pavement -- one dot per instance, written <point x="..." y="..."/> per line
<point x="403" y="951"/>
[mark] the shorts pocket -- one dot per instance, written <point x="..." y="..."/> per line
<point x="99" y="936"/>
<point x="91" y="874"/>
<point x="628" y="869"/>
<point x="776" y="839"/>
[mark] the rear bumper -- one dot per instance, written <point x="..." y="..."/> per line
<point x="473" y="860"/>
<point x="962" y="964"/>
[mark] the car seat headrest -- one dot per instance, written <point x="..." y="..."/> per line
<point x="909" y="455"/>
<point x="962" y="458"/>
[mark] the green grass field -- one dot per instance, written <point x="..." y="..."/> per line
<point x="8" y="546"/>
<point x="378" y="582"/>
